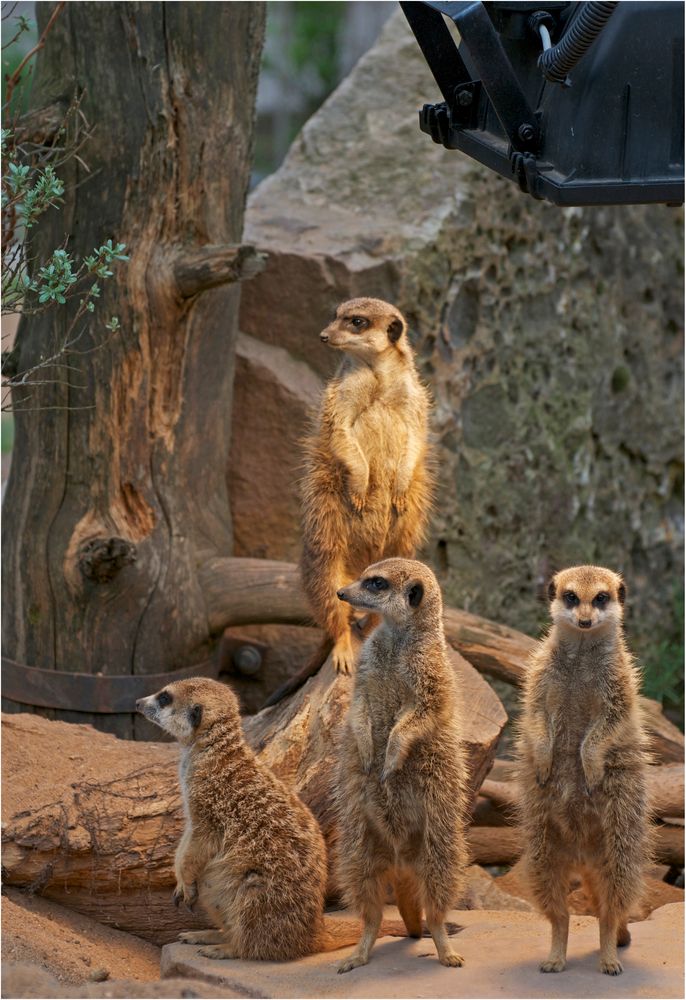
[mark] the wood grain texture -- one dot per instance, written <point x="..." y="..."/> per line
<point x="137" y="453"/>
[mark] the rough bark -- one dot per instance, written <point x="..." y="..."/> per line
<point x="117" y="492"/>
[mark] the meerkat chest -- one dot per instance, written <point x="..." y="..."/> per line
<point x="384" y="419"/>
<point x="574" y="707"/>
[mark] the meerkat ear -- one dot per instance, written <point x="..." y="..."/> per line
<point x="195" y="715"/>
<point x="551" y="590"/>
<point x="395" y="330"/>
<point x="415" y="595"/>
<point x="621" y="593"/>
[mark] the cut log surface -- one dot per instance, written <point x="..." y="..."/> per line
<point x="93" y="822"/>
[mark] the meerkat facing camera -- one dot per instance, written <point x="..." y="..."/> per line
<point x="402" y="790"/>
<point x="583" y="756"/>
<point x="367" y="488"/>
<point x="252" y="853"/>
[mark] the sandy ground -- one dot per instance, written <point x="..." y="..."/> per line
<point x="70" y="946"/>
<point x="502" y="950"/>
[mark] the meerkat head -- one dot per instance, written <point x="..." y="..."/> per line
<point x="366" y="328"/>
<point x="587" y="598"/>
<point x="187" y="709"/>
<point x="402" y="590"/>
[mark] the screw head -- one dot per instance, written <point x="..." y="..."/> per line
<point x="465" y="98"/>
<point x="525" y="132"/>
<point x="248" y="660"/>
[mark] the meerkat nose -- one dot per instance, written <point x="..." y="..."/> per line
<point x="138" y="704"/>
<point x="324" y="337"/>
<point x="586" y="623"/>
<point x="341" y="595"/>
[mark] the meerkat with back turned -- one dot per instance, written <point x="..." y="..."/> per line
<point x="367" y="489"/>
<point x="583" y="756"/>
<point x="252" y="853"/>
<point x="402" y="791"/>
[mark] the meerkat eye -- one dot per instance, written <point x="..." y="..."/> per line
<point x="359" y="322"/>
<point x="570" y="599"/>
<point x="164" y="698"/>
<point x="600" y="600"/>
<point x="375" y="583"/>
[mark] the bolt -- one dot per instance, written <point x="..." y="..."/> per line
<point x="465" y="98"/>
<point x="525" y="132"/>
<point x="247" y="660"/>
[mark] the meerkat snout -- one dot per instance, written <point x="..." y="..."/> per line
<point x="586" y="623"/>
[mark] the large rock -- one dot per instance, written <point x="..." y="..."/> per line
<point x="551" y="340"/>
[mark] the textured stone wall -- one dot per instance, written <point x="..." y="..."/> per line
<point x="552" y="341"/>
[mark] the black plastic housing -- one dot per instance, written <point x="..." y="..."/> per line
<point x="612" y="134"/>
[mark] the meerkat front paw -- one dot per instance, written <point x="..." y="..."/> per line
<point x="358" y="501"/>
<point x="343" y="656"/>
<point x="544" y="766"/>
<point x="186" y="893"/>
<point x="593" y="771"/>
<point x="399" y="502"/>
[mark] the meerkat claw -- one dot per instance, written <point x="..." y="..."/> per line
<point x="399" y="505"/>
<point x="612" y="968"/>
<point x="452" y="960"/>
<point x="354" y="962"/>
<point x="553" y="965"/>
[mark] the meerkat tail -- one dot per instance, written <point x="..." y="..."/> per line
<point x="342" y="931"/>
<point x="293" y="684"/>
<point x="409" y="904"/>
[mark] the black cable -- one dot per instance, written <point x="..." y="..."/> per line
<point x="557" y="61"/>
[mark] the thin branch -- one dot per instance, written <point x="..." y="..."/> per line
<point x="14" y="79"/>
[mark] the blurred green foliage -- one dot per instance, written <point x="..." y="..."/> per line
<point x="315" y="41"/>
<point x="663" y="662"/>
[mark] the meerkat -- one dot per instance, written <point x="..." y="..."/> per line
<point x="402" y="789"/>
<point x="367" y="488"/>
<point x="252" y="854"/>
<point x="583" y="754"/>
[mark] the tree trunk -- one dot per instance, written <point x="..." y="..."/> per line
<point x="117" y="493"/>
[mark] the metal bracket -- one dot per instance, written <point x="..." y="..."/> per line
<point x="489" y="64"/>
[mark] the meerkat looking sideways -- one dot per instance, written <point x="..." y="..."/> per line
<point x="583" y="757"/>
<point x="402" y="776"/>
<point x="366" y="489"/>
<point x="252" y="853"/>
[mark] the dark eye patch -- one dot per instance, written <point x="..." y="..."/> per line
<point x="359" y="323"/>
<point x="570" y="599"/>
<point x="164" y="698"/>
<point x="375" y="583"/>
<point x="600" y="600"/>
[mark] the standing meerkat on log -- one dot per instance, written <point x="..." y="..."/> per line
<point x="367" y="491"/>
<point x="583" y="763"/>
<point x="252" y="853"/>
<point x="402" y="794"/>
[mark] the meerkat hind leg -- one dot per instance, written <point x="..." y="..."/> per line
<point x="609" y="928"/>
<point x="372" y="923"/>
<point x="219" y="951"/>
<point x="208" y="936"/>
<point x="436" y="924"/>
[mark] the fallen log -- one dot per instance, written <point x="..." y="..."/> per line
<point x="657" y="893"/>
<point x="497" y="845"/>
<point x="93" y="822"/>
<point x="665" y="784"/>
